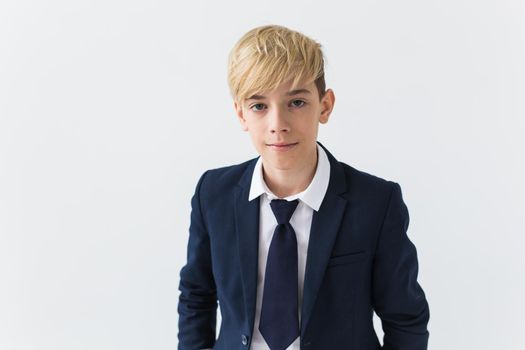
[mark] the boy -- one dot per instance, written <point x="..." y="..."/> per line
<point x="298" y="248"/>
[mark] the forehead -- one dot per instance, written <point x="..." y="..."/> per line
<point x="284" y="90"/>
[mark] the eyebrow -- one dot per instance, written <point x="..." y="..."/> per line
<point x="289" y="93"/>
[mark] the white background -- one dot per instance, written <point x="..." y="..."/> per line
<point x="111" y="110"/>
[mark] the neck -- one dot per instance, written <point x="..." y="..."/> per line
<point x="287" y="182"/>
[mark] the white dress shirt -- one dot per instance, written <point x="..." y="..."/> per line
<point x="309" y="200"/>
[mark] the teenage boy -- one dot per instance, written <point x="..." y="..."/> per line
<point x="298" y="248"/>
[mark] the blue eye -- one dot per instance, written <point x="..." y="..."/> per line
<point x="303" y="103"/>
<point x="257" y="104"/>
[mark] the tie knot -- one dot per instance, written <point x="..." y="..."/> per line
<point x="283" y="209"/>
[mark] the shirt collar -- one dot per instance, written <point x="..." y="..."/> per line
<point x="313" y="195"/>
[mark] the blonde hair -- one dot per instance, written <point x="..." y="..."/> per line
<point x="270" y="55"/>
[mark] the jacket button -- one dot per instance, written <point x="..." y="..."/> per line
<point x="244" y="340"/>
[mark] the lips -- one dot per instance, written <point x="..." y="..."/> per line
<point x="282" y="144"/>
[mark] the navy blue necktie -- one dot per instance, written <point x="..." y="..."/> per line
<point x="279" y="323"/>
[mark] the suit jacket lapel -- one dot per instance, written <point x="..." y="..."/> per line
<point x="247" y="227"/>
<point x="325" y="226"/>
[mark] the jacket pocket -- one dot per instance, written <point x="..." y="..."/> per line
<point x="344" y="259"/>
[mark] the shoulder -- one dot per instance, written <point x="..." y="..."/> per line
<point x="225" y="177"/>
<point x="363" y="184"/>
<point x="370" y="195"/>
<point x="358" y="183"/>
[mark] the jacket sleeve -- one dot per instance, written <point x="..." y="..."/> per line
<point x="197" y="306"/>
<point x="398" y="299"/>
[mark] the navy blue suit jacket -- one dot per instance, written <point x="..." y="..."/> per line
<point x="359" y="260"/>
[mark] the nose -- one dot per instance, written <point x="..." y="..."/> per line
<point x="278" y="121"/>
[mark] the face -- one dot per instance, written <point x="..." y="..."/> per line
<point x="283" y="124"/>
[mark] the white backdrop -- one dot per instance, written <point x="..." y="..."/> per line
<point x="110" y="111"/>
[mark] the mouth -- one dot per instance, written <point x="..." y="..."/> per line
<point x="281" y="146"/>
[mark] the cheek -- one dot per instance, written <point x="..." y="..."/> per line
<point x="307" y="129"/>
<point x="255" y="135"/>
<point x="255" y="129"/>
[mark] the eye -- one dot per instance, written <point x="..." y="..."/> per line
<point x="301" y="103"/>
<point x="261" y="105"/>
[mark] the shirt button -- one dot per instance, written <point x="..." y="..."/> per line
<point x="244" y="340"/>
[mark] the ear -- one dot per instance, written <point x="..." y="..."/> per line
<point x="240" y="115"/>
<point x="327" y="105"/>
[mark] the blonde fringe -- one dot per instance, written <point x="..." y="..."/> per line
<point x="267" y="56"/>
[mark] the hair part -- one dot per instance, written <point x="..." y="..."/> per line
<point x="270" y="55"/>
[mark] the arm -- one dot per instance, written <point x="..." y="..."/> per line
<point x="398" y="299"/>
<point x="198" y="299"/>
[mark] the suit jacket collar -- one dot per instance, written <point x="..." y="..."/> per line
<point x="325" y="224"/>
